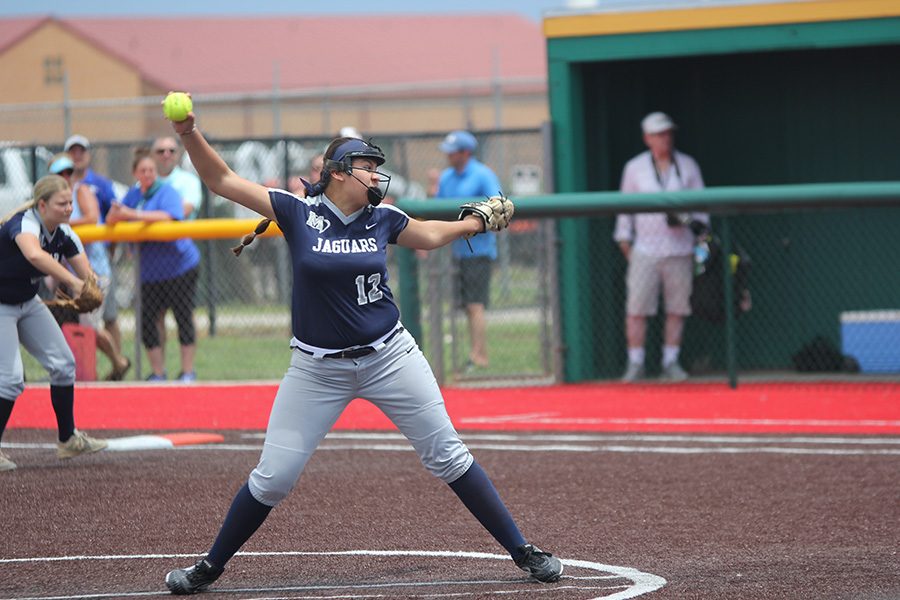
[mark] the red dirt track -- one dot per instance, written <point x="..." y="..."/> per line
<point x="771" y="491"/>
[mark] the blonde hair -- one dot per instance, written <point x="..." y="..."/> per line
<point x="45" y="187"/>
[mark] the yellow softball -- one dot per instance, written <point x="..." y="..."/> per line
<point x="176" y="106"/>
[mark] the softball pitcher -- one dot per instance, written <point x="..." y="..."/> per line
<point x="32" y="241"/>
<point x="354" y="347"/>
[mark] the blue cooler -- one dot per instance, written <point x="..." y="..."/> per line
<point x="872" y="337"/>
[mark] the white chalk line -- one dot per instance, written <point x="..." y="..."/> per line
<point x="642" y="583"/>
<point x="561" y="448"/>
<point x="629" y="437"/>
<point x="549" y="419"/>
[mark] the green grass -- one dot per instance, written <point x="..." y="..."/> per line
<point x="223" y="357"/>
<point x="251" y="341"/>
<point x="238" y="355"/>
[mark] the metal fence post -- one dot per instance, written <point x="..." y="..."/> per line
<point x="728" y="281"/>
<point x="34" y="165"/>
<point x="436" y="297"/>
<point x="138" y="371"/>
<point x="210" y="266"/>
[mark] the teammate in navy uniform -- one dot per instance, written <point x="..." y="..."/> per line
<point x="354" y="346"/>
<point x="32" y="241"/>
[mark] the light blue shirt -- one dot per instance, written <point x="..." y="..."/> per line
<point x="476" y="180"/>
<point x="188" y="186"/>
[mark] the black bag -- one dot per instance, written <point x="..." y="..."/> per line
<point x="708" y="294"/>
<point x="822" y="355"/>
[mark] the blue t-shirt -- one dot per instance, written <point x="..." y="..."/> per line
<point x="340" y="273"/>
<point x="161" y="261"/>
<point x="103" y="189"/>
<point x="96" y="251"/>
<point x="19" y="279"/>
<point x="476" y="180"/>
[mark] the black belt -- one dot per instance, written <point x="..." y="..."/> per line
<point x="356" y="352"/>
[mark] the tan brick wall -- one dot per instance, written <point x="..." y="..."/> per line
<point x="92" y="74"/>
<point x="95" y="75"/>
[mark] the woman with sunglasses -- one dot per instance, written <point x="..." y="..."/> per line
<point x="86" y="211"/>
<point x="33" y="239"/>
<point x="347" y="342"/>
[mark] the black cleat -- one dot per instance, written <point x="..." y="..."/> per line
<point x="543" y="566"/>
<point x="193" y="579"/>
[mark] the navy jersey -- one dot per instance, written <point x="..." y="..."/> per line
<point x="340" y="296"/>
<point x="19" y="279"/>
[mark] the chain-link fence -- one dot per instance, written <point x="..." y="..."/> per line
<point x="521" y="336"/>
<point x="813" y="292"/>
<point x="815" y="289"/>
<point x="517" y="156"/>
<point x="238" y="308"/>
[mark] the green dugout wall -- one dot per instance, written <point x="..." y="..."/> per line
<point x="769" y="93"/>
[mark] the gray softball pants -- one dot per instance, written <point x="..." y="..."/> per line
<point x="315" y="391"/>
<point x="32" y="325"/>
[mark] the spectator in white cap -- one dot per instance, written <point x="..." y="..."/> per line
<point x="350" y="131"/>
<point x="658" y="247"/>
<point x="466" y="177"/>
<point x="78" y="148"/>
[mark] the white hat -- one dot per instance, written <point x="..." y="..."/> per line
<point x="77" y="140"/>
<point x="657" y="122"/>
<point x="350" y="132"/>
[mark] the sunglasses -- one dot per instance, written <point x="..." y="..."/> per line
<point x="166" y="150"/>
<point x="66" y="172"/>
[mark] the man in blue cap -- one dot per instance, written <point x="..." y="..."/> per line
<point x="466" y="177"/>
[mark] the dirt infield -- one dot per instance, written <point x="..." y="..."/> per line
<point x="704" y="516"/>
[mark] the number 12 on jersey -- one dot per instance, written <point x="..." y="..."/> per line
<point x="374" y="294"/>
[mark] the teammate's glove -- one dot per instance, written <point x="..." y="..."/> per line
<point x="495" y="212"/>
<point x="90" y="298"/>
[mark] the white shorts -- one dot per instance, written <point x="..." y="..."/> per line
<point x="646" y="274"/>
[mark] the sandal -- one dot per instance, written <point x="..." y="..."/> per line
<point x="119" y="374"/>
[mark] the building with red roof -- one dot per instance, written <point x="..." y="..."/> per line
<point x="259" y="76"/>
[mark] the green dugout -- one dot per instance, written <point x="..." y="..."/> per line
<point x="764" y="94"/>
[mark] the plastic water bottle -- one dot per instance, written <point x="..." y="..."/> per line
<point x="701" y="255"/>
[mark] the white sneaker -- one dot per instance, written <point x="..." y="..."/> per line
<point x="79" y="443"/>
<point x="674" y="372"/>
<point x="633" y="372"/>
<point x="5" y="463"/>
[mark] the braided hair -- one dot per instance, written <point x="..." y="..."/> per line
<point x="338" y="156"/>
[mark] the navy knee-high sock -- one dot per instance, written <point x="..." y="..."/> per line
<point x="478" y="493"/>
<point x="6" y="407"/>
<point x="244" y="518"/>
<point x="62" y="397"/>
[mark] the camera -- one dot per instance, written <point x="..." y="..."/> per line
<point x="677" y="219"/>
<point x="696" y="226"/>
